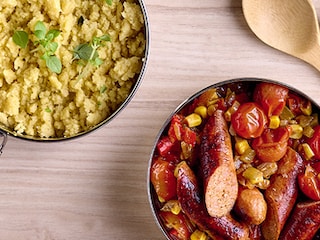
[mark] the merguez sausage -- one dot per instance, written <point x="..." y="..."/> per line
<point x="189" y="196"/>
<point x="282" y="194"/>
<point x="219" y="173"/>
<point x="304" y="222"/>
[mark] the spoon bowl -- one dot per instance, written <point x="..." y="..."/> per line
<point x="286" y="25"/>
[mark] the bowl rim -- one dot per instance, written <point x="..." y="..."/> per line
<point x="151" y="197"/>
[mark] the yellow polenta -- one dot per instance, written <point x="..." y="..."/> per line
<point x="37" y="102"/>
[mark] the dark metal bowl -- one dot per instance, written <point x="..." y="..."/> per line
<point x="4" y="131"/>
<point x="153" y="200"/>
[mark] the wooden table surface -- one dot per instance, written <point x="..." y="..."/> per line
<point x="95" y="187"/>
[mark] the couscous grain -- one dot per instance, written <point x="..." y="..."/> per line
<point x="37" y="102"/>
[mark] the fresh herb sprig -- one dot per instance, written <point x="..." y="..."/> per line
<point x="45" y="43"/>
<point x="87" y="53"/>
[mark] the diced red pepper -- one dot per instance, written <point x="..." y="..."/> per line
<point x="164" y="146"/>
<point x="176" y="128"/>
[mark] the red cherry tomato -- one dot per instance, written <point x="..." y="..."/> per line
<point x="271" y="97"/>
<point x="163" y="179"/>
<point x="249" y="120"/>
<point x="271" y="146"/>
<point x="179" y="226"/>
<point x="298" y="105"/>
<point x="314" y="142"/>
<point x="309" y="182"/>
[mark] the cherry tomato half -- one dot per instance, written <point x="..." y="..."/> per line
<point x="271" y="97"/>
<point x="163" y="179"/>
<point x="314" y="142"/>
<point x="271" y="146"/>
<point x="249" y="120"/>
<point x="309" y="182"/>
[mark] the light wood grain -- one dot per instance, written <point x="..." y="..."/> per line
<point x="95" y="187"/>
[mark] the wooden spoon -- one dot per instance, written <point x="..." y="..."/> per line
<point x="287" y="25"/>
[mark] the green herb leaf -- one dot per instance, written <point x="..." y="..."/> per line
<point x="45" y="42"/>
<point x="52" y="47"/>
<point x="54" y="64"/>
<point x="21" y="38"/>
<point x="52" y="34"/>
<point x="88" y="52"/>
<point x="39" y="34"/>
<point x="109" y="2"/>
<point x="98" y="40"/>
<point x="83" y="51"/>
<point x="40" y="27"/>
<point x="40" y="30"/>
<point x="97" y="62"/>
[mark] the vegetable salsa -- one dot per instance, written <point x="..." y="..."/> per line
<point x="264" y="120"/>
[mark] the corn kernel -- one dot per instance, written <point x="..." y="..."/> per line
<point x="202" y="111"/>
<point x="297" y="131"/>
<point x="198" y="235"/>
<point x="193" y="120"/>
<point x="241" y="145"/>
<point x="307" y="150"/>
<point x="172" y="206"/>
<point x="253" y="175"/>
<point x="274" y="122"/>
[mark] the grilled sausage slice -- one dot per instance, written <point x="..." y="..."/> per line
<point x="192" y="204"/>
<point x="282" y="194"/>
<point x="304" y="222"/>
<point x="217" y="165"/>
